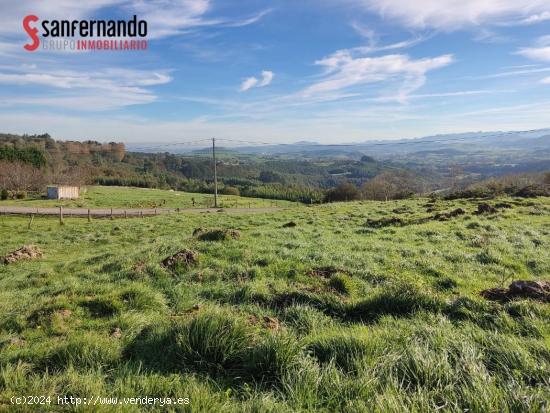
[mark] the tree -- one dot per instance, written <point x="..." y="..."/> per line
<point x="230" y="190"/>
<point x="343" y="192"/>
<point x="270" y="177"/>
<point x="392" y="185"/>
<point x="367" y="159"/>
<point x="19" y="176"/>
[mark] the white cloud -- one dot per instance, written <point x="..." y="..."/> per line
<point x="536" y="53"/>
<point x="86" y="90"/>
<point x="536" y="18"/>
<point x="250" y="82"/>
<point x="450" y="15"/>
<point x="545" y="81"/>
<point x="343" y="71"/>
<point x="267" y="77"/>
<point x="250" y="20"/>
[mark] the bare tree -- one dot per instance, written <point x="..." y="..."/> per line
<point x="19" y="176"/>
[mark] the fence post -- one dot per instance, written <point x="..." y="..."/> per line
<point x="61" y="215"/>
<point x="30" y="221"/>
<point x="155" y="211"/>
<point x="125" y="214"/>
<point x="112" y="214"/>
<point x="89" y="215"/>
<point x="141" y="213"/>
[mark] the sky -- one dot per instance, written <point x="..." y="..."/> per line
<point x="329" y="71"/>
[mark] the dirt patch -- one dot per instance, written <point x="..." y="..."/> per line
<point x="116" y="332"/>
<point x="17" y="341"/>
<point x="384" y="222"/>
<point x="290" y="224"/>
<point x="216" y="234"/>
<point x="65" y="313"/>
<point x="271" y="323"/>
<point x="325" y="272"/>
<point x="485" y="209"/>
<point x="183" y="257"/>
<point x="27" y="252"/>
<point x="444" y="216"/>
<point x="536" y="290"/>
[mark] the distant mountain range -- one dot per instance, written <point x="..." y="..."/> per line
<point x="533" y="141"/>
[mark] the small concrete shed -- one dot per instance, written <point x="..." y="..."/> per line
<point x="63" y="192"/>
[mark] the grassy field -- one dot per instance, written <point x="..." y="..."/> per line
<point x="119" y="197"/>
<point x="345" y="312"/>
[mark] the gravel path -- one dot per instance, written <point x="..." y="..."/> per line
<point x="119" y="212"/>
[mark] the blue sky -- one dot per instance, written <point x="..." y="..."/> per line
<point x="282" y="71"/>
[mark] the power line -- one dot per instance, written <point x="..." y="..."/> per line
<point x="417" y="141"/>
<point x="407" y="142"/>
<point x="175" y="144"/>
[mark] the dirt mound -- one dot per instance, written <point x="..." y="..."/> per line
<point x="325" y="272"/>
<point x="27" y="252"/>
<point x="384" y="222"/>
<point x="444" y="216"/>
<point x="485" y="209"/>
<point x="503" y="205"/>
<point x="536" y="290"/>
<point x="290" y="224"/>
<point x="184" y="257"/>
<point x="216" y="234"/>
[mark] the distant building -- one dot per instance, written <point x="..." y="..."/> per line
<point x="63" y="192"/>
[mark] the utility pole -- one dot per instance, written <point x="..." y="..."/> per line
<point x="215" y="173"/>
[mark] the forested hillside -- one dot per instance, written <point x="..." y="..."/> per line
<point x="108" y="164"/>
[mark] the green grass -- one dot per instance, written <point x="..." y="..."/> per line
<point x="332" y="315"/>
<point x="122" y="197"/>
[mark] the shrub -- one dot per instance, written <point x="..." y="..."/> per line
<point x="231" y="190"/>
<point x="4" y="194"/>
<point x="21" y="194"/>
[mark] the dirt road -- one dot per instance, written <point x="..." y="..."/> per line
<point x="121" y="213"/>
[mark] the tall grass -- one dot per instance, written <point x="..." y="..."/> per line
<point x="396" y="325"/>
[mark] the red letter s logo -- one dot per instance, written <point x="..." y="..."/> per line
<point x="32" y="32"/>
